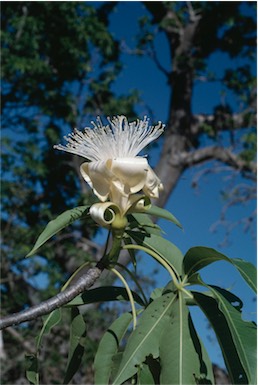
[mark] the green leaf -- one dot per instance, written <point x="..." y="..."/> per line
<point x="108" y="347"/>
<point x="58" y="224"/>
<point x="144" y="375"/>
<point x="144" y="340"/>
<point x="222" y="320"/>
<point x="104" y="294"/>
<point x="127" y="241"/>
<point x="31" y="361"/>
<point x="31" y="365"/>
<point x="161" y="246"/>
<point x="76" y="350"/>
<point x="162" y="213"/>
<point x="156" y="293"/>
<point x="243" y="332"/>
<point x="247" y="270"/>
<point x="205" y="369"/>
<point x="198" y="257"/>
<point x="116" y="361"/>
<point x="144" y="222"/>
<point x="50" y="321"/>
<point x="231" y="297"/>
<point x="149" y="371"/>
<point x="177" y="347"/>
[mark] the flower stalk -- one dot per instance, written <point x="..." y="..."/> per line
<point x="113" y="254"/>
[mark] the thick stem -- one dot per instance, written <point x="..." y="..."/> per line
<point x="62" y="298"/>
<point x="65" y="296"/>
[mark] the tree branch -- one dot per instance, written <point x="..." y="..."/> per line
<point x="153" y="55"/>
<point x="62" y="298"/>
<point x="193" y="15"/>
<point x="221" y="154"/>
<point x="237" y="121"/>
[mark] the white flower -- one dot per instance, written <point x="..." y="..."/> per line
<point x="114" y="170"/>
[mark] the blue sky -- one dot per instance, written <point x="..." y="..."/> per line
<point x="198" y="210"/>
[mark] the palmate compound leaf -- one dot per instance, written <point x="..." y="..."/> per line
<point x="167" y="250"/>
<point x="108" y="348"/>
<point x="165" y="330"/>
<point x="183" y="358"/>
<point x="77" y="344"/>
<point x="144" y="340"/>
<point x="198" y="257"/>
<point x="237" y="338"/>
<point x="59" y="223"/>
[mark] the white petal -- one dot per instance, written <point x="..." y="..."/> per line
<point x="132" y="172"/>
<point x="138" y="203"/>
<point x="104" y="213"/>
<point x="118" y="195"/>
<point x="153" y="184"/>
<point x="98" y="177"/>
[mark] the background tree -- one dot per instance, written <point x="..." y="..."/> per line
<point x="59" y="65"/>
<point x="52" y="67"/>
<point x="186" y="28"/>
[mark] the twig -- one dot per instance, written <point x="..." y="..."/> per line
<point x="153" y="55"/>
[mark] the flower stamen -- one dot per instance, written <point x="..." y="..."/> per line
<point x="120" y="139"/>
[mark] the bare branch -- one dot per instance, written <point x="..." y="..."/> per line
<point x="237" y="121"/>
<point x="153" y="55"/>
<point x="192" y="13"/>
<point x="83" y="283"/>
<point x="229" y="226"/>
<point x="150" y="52"/>
<point x="234" y="194"/>
<point x="221" y="154"/>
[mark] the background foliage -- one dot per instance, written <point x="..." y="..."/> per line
<point x="59" y="66"/>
